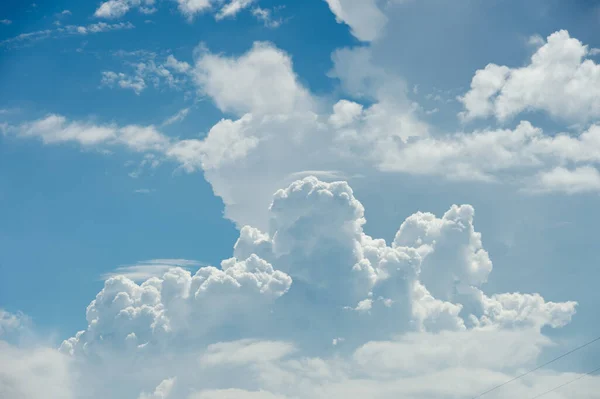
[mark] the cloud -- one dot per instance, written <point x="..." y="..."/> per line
<point x="11" y="323"/>
<point x="117" y="8"/>
<point x="136" y="83"/>
<point x="572" y="181"/>
<point x="232" y="8"/>
<point x="245" y="84"/>
<point x="558" y="80"/>
<point x="68" y="30"/>
<point x="266" y="17"/>
<point x="145" y="270"/>
<point x="172" y="73"/>
<point x="54" y="129"/>
<point x="5" y="22"/>
<point x="162" y="391"/>
<point x="178" y="117"/>
<point x="34" y="373"/>
<point x="190" y="8"/>
<point x="279" y="129"/>
<point x="261" y="326"/>
<point x="365" y="19"/>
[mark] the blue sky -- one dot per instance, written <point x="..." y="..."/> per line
<point x="139" y="136"/>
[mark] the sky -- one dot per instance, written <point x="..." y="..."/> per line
<point x="279" y="199"/>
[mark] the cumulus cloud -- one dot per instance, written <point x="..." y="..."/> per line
<point x="245" y="84"/>
<point x="364" y="17"/>
<point x="280" y="129"/>
<point x="558" y="80"/>
<point x="261" y="325"/>
<point x="34" y="373"/>
<point x="572" y="181"/>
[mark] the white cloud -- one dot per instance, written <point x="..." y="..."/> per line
<point x="244" y="352"/>
<point x="262" y="327"/>
<point x="68" y="30"/>
<point x="572" y="181"/>
<point x="117" y="8"/>
<point x="559" y="80"/>
<point x="11" y="323"/>
<point x="190" y="8"/>
<point x="172" y="73"/>
<point x="232" y="8"/>
<point x="162" y="391"/>
<point x="176" y="65"/>
<point x="259" y="81"/>
<point x="5" y="22"/>
<point x="136" y="83"/>
<point x="178" y="117"/>
<point x="266" y="17"/>
<point x="283" y="130"/>
<point x="365" y="19"/>
<point x="145" y="270"/>
<point x="34" y="373"/>
<point x="54" y="129"/>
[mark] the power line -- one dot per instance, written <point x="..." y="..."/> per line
<point x="537" y="368"/>
<point x="567" y="383"/>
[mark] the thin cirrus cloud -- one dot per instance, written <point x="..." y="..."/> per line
<point x="144" y="270"/>
<point x="68" y="30"/>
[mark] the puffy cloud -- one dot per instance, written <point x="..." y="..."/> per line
<point x="572" y="181"/>
<point x="365" y="19"/>
<point x="259" y="81"/>
<point x="429" y="279"/>
<point x="144" y="317"/>
<point x="559" y="80"/>
<point x="281" y="131"/>
<point x="403" y="316"/>
<point x="162" y="391"/>
<point x="190" y="8"/>
<point x="34" y="373"/>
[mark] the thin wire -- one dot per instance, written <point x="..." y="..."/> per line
<point x="537" y="368"/>
<point x="567" y="383"/>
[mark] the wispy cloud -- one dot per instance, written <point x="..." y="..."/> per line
<point x="266" y="17"/>
<point x="5" y="21"/>
<point x="146" y="72"/>
<point x="69" y="30"/>
<point x="143" y="191"/>
<point x="144" y="270"/>
<point x="178" y="117"/>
